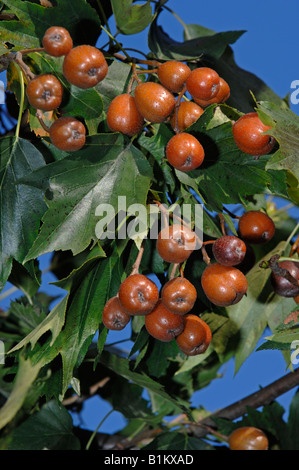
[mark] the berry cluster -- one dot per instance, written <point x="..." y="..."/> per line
<point x="83" y="66"/>
<point x="223" y="283"/>
<point x="156" y="102"/>
<point x="167" y="314"/>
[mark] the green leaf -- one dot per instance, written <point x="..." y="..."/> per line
<point x="26" y="374"/>
<point x="177" y="441"/>
<point x="52" y="322"/>
<point x="21" y="206"/>
<point x="22" y="278"/>
<point x="131" y="19"/>
<point x="286" y="336"/>
<point x="115" y="83"/>
<point x="122" y="367"/>
<point x="50" y="429"/>
<point x="157" y="360"/>
<point x="106" y="168"/>
<point x="249" y="316"/>
<point x="87" y="104"/>
<point x="285" y="130"/>
<point x="212" y="45"/>
<point x="84" y="317"/>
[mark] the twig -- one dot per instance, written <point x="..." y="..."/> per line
<point x="136" y="265"/>
<point x="176" y="109"/>
<point x="26" y="70"/>
<point x="222" y="224"/>
<point x="39" y="117"/>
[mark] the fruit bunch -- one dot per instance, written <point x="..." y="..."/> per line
<point x="167" y="314"/>
<point x="83" y="66"/>
<point x="163" y="99"/>
<point x="223" y="282"/>
<point x="155" y="102"/>
<point x="158" y="101"/>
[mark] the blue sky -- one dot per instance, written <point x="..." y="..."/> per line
<point x="268" y="49"/>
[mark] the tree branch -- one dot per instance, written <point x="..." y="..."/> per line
<point x="263" y="397"/>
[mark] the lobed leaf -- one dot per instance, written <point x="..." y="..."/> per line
<point x="21" y="206"/>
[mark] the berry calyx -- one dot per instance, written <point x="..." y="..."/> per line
<point x="196" y="336"/>
<point x="44" y="92"/>
<point x="222" y="95"/>
<point x="68" y="134"/>
<point x="248" y="438"/>
<point x="281" y="285"/>
<point x="57" y="41"/>
<point x="176" y="243"/>
<point x="163" y="324"/>
<point x="123" y="115"/>
<point x="173" y="75"/>
<point x="85" y="66"/>
<point x="154" y="102"/>
<point x="229" y="250"/>
<point x="187" y="113"/>
<point x="223" y="285"/>
<point x="184" y="152"/>
<point x="114" y="316"/>
<point x="203" y="83"/>
<point x="138" y="294"/>
<point x="256" y="227"/>
<point x="247" y="133"/>
<point x="179" y="295"/>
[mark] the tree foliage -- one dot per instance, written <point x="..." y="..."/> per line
<point x="58" y="349"/>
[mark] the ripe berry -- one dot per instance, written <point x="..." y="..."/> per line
<point x="179" y="295"/>
<point x="247" y="133"/>
<point x="173" y="75"/>
<point x="223" y="285"/>
<point x="283" y="286"/>
<point x="138" y="294"/>
<point x="44" y="92"/>
<point x="114" y="315"/>
<point x="184" y="152"/>
<point x="222" y="95"/>
<point x="84" y="66"/>
<point x="188" y="112"/>
<point x="154" y="102"/>
<point x="176" y="243"/>
<point x="123" y="115"/>
<point x="68" y="134"/>
<point x="203" y="83"/>
<point x="196" y="336"/>
<point x="248" y="438"/>
<point x="163" y="324"/>
<point x="256" y="227"/>
<point x="229" y="250"/>
<point x="57" y="41"/>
